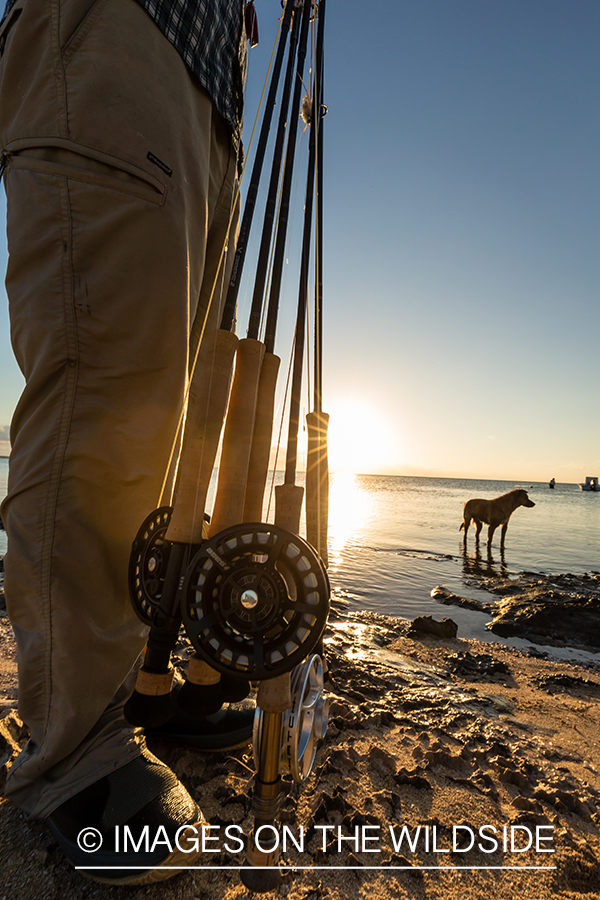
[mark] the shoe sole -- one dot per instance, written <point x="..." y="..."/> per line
<point x="177" y="860"/>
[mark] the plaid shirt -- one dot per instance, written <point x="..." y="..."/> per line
<point x="210" y="36"/>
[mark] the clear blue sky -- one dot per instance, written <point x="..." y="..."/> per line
<point x="462" y="220"/>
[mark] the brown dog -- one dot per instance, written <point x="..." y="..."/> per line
<point x="493" y="513"/>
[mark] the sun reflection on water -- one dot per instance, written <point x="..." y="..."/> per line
<point x="349" y="506"/>
<point x="351" y="638"/>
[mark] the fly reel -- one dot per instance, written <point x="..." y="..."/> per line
<point x="148" y="564"/>
<point x="255" y="601"/>
<point x="304" y="723"/>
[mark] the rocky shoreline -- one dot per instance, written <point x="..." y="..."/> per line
<point x="461" y="743"/>
<point x="560" y="611"/>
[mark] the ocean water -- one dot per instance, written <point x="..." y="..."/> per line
<point x="392" y="539"/>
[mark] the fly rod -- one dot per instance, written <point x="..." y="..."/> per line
<point x="239" y="398"/>
<point x="239" y="426"/>
<point x="274" y="697"/>
<point x="169" y="538"/>
<point x="289" y="495"/>
<point x="317" y="468"/>
<point x="252" y="193"/>
<point x="261" y="443"/>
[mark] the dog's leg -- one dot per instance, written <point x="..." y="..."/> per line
<point x="465" y="525"/>
<point x="503" y="535"/>
<point x="479" y="525"/>
<point x="491" y="531"/>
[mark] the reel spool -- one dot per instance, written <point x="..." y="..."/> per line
<point x="304" y="723"/>
<point x="255" y="601"/>
<point x="148" y="564"/>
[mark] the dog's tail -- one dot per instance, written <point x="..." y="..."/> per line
<point x="462" y="525"/>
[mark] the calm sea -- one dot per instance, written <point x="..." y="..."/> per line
<point x="394" y="538"/>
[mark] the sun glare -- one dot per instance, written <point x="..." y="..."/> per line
<point x="349" y="507"/>
<point x="360" y="440"/>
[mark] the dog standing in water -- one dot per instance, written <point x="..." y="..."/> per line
<point x="493" y="513"/>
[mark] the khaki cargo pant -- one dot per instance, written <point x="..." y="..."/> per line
<point x="119" y="182"/>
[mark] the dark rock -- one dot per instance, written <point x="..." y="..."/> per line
<point x="447" y="628"/>
<point x="441" y="595"/>
<point x="535" y="653"/>
<point x="550" y="617"/>
<point x="556" y="681"/>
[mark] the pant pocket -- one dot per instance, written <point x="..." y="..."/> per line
<point x="73" y="32"/>
<point x="81" y="163"/>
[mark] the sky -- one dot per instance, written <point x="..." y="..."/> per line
<point x="461" y="266"/>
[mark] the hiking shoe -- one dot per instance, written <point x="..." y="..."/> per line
<point x="135" y="826"/>
<point x="224" y="730"/>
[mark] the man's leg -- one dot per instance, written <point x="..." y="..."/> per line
<point x="107" y="262"/>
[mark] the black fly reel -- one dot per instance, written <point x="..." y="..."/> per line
<point x="255" y="601"/>
<point x="148" y="564"/>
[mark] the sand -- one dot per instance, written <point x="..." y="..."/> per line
<point x="425" y="733"/>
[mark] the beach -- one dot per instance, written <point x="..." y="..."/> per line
<point x="485" y="754"/>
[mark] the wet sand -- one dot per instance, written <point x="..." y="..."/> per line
<point x="463" y="744"/>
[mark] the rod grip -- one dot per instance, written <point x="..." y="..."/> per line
<point x="237" y="438"/>
<point x="317" y="483"/>
<point x="260" y="453"/>
<point x="206" y="410"/>
<point x="288" y="506"/>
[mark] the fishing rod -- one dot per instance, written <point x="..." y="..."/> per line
<point x="261" y="443"/>
<point x="289" y="496"/>
<point x="317" y="422"/>
<point x="254" y="599"/>
<point x="252" y="193"/>
<point x="246" y="606"/>
<point x="277" y="698"/>
<point x="245" y="390"/>
<point x="263" y="596"/>
<point x="169" y="537"/>
<point x="202" y="681"/>
<point x="278" y="703"/>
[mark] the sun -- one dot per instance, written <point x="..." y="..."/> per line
<point x="360" y="438"/>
